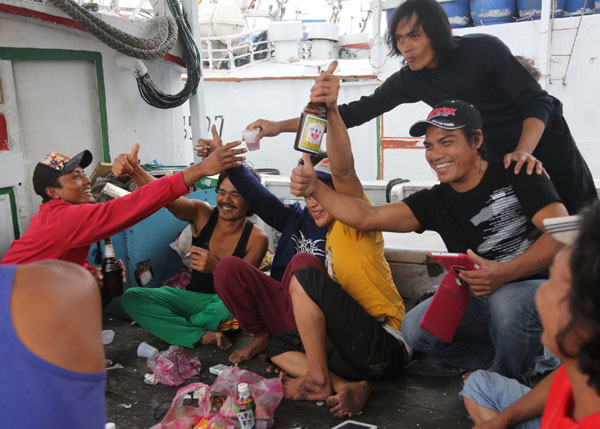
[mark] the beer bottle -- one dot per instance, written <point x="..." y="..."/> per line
<point x="112" y="272"/>
<point x="313" y="124"/>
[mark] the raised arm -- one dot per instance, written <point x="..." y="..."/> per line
<point x="258" y="198"/>
<point x="187" y="210"/>
<point x="339" y="149"/>
<point x="274" y="128"/>
<point x="351" y="210"/>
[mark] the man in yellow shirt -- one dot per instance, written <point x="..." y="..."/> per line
<point x="347" y="319"/>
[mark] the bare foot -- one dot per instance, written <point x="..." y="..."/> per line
<point x="256" y="346"/>
<point x="305" y="388"/>
<point x="218" y="338"/>
<point x="350" y="400"/>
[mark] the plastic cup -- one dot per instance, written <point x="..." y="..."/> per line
<point x="249" y="137"/>
<point x="253" y="146"/>
<point x="108" y="336"/>
<point x="146" y="350"/>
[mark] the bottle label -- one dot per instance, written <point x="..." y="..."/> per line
<point x="312" y="133"/>
<point x="109" y="252"/>
<point x="245" y="410"/>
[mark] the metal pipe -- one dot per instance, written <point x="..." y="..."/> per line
<point x="545" y="42"/>
<point x="196" y="101"/>
<point x="376" y="46"/>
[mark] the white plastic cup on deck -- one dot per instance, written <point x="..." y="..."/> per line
<point x="108" y="336"/>
<point x="146" y="350"/>
<point x="249" y="137"/>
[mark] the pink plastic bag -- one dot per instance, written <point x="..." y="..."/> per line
<point x="267" y="394"/>
<point x="186" y="416"/>
<point x="173" y="366"/>
<point x="215" y="404"/>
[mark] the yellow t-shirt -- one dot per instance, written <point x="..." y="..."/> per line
<point x="355" y="259"/>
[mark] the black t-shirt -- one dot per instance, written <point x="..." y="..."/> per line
<point x="493" y="219"/>
<point x="481" y="71"/>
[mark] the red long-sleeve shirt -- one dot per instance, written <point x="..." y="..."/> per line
<point x="65" y="231"/>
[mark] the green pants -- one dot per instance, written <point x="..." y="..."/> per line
<point x="175" y="315"/>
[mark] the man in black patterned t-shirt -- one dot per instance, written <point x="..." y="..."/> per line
<point x="481" y="209"/>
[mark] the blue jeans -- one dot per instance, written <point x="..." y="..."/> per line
<point x="501" y="330"/>
<point x="493" y="391"/>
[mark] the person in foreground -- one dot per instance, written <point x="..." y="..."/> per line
<point x="521" y="121"/>
<point x="479" y="208"/>
<point x="242" y="287"/>
<point x="348" y="317"/>
<point x="569" y="308"/>
<point x="196" y="314"/>
<point x="52" y="373"/>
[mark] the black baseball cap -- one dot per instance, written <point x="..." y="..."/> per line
<point x="54" y="165"/>
<point x="450" y="115"/>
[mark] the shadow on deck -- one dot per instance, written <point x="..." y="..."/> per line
<point x="409" y="402"/>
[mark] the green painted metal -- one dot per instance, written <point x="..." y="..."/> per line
<point x="13" y="210"/>
<point x="35" y="54"/>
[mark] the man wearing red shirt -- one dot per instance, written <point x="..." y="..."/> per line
<point x="69" y="220"/>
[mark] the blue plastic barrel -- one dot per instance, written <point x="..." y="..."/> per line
<point x="388" y="14"/>
<point x="532" y="9"/>
<point x="488" y="12"/>
<point x="458" y="12"/>
<point x="574" y="7"/>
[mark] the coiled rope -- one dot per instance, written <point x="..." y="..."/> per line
<point x="146" y="49"/>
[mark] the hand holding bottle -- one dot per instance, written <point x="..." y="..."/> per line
<point x="326" y="88"/>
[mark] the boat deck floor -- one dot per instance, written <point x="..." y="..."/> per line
<point x="411" y="401"/>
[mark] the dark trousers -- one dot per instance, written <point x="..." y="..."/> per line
<point x="357" y="346"/>
<point x="261" y="304"/>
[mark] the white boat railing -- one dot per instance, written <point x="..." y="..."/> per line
<point x="236" y="50"/>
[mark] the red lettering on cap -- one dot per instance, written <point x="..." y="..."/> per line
<point x="442" y="111"/>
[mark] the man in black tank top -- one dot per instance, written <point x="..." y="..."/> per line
<point x="197" y="314"/>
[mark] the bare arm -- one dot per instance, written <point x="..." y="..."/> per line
<point x="538" y="257"/>
<point x="339" y="149"/>
<point x="274" y="128"/>
<point x="351" y="210"/>
<point x="527" y="407"/>
<point x="257" y="246"/>
<point x="532" y="131"/>
<point x="220" y="159"/>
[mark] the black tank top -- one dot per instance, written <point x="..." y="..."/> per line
<point x="203" y="282"/>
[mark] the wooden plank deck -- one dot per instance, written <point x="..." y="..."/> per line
<point x="411" y="401"/>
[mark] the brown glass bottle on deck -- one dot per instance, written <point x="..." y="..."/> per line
<point x="313" y="124"/>
<point x="112" y="272"/>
